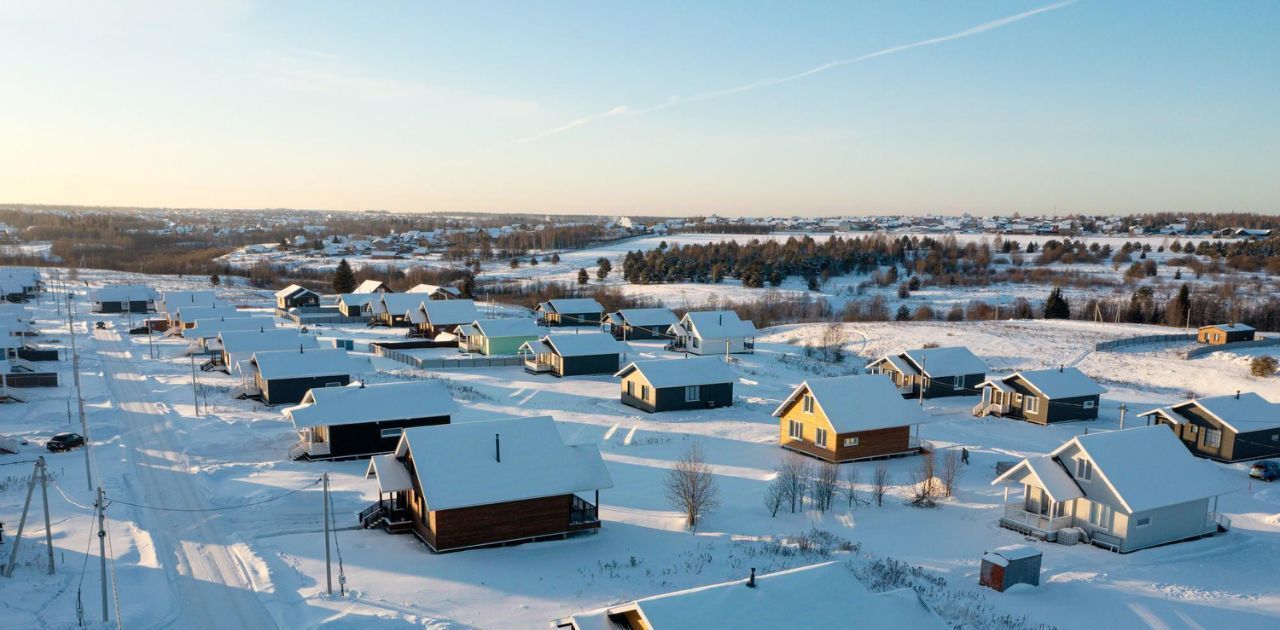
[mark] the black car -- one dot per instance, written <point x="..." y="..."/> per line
<point x="140" y="330"/>
<point x="1266" y="471"/>
<point x="64" y="442"/>
<point x="100" y="325"/>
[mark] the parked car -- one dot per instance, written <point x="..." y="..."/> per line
<point x="1265" y="470"/>
<point x="64" y="442"/>
<point x="140" y="330"/>
<point x="100" y="325"/>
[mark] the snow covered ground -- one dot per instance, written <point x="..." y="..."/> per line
<point x="211" y="526"/>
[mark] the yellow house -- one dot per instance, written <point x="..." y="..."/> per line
<point x="848" y="418"/>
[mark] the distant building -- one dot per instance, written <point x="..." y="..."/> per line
<point x="1224" y="428"/>
<point x="676" y="384"/>
<point x="848" y="418"/>
<point x="1218" y="334"/>
<point x="1041" y="396"/>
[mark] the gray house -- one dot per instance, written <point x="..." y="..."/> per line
<point x="570" y="312"/>
<point x="285" y="376"/>
<point x="123" y="298"/>
<point x="675" y="384"/>
<point x="950" y="371"/>
<point x="1225" y="428"/>
<point x="573" y="354"/>
<point x="1041" y="396"/>
<point x="641" y="323"/>
<point x="359" y="421"/>
<point x="1126" y="490"/>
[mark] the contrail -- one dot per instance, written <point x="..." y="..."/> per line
<point x="763" y="83"/>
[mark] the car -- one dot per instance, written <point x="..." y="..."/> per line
<point x="140" y="330"/>
<point x="1266" y="471"/>
<point x="64" y="442"/>
<point x="100" y="325"/>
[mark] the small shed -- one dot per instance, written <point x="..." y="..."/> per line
<point x="1005" y="566"/>
<point x="1218" y="334"/>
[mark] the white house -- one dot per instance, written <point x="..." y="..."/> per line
<point x="713" y="332"/>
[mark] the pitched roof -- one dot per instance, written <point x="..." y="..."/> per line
<point x="1061" y="383"/>
<point x="398" y="303"/>
<point x="662" y="373"/>
<point x="717" y="324"/>
<point x="859" y="403"/>
<point x="122" y="292"/>
<point x="369" y="286"/>
<point x="449" y="312"/>
<point x="572" y="305"/>
<point x="356" y="299"/>
<point x="1248" y="412"/>
<point x="584" y="344"/>
<point x="1231" y="327"/>
<point x="193" y="313"/>
<point x="432" y="288"/>
<point x="1043" y="472"/>
<point x="372" y="403"/>
<point x="645" y="316"/>
<point x="171" y="301"/>
<point x="241" y="344"/>
<point x="292" y="290"/>
<point x="457" y="464"/>
<point x="948" y="361"/>
<point x="392" y="474"/>
<point x="209" y="328"/>
<point x="509" y="327"/>
<point x="278" y="364"/>
<point x="1148" y="467"/>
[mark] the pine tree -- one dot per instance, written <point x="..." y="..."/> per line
<point x="555" y="259"/>
<point x="903" y="314"/>
<point x="604" y="268"/>
<point x="583" y="278"/>
<point x="344" y="280"/>
<point x="1056" y="306"/>
<point x="215" y="280"/>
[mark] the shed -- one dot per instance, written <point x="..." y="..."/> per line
<point x="1014" y="564"/>
<point x="1218" y="334"/>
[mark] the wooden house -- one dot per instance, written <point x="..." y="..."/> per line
<point x="826" y="595"/>
<point x="203" y="337"/>
<point x="476" y="484"/>
<point x="393" y="309"/>
<point x="848" y="418"/>
<point x="939" y="372"/>
<point x="353" y="304"/>
<point x="187" y="316"/>
<point x="713" y="332"/>
<point x="365" y="420"/>
<point x="501" y="336"/>
<point x="171" y="301"/>
<point x="570" y="312"/>
<point x="295" y="296"/>
<point x="372" y="286"/>
<point x="283" y="377"/>
<point x="1218" y="334"/>
<point x="19" y="284"/>
<point x="573" y="354"/>
<point x="436" y="292"/>
<point x="1128" y="490"/>
<point x="236" y="347"/>
<point x="676" y="384"/>
<point x="1224" y="428"/>
<point x="122" y="298"/>
<point x="1041" y="396"/>
<point x="641" y="323"/>
<point x="435" y="317"/>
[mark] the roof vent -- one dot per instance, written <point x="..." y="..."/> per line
<point x="497" y="447"/>
<point x="751" y="581"/>
<point x="1237" y="394"/>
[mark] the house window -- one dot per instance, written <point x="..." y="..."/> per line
<point x="820" y="437"/>
<point x="808" y="403"/>
<point x="1088" y="404"/>
<point x="695" y="342"/>
<point x="1193" y="429"/>
<point x="1142" y="522"/>
<point x="1033" y="404"/>
<point x="692" y="393"/>
<point x="1084" y="469"/>
<point x="851" y="441"/>
<point x="392" y="433"/>
<point x="1212" y="438"/>
<point x="1100" y="515"/>
<point x="644" y="392"/>
<point x="1017" y="399"/>
<point x="631" y="388"/>
<point x="1275" y="437"/>
<point x="795" y="430"/>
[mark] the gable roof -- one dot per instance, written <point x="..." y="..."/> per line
<point x="292" y="290"/>
<point x="1044" y="472"/>
<point x="1249" y="412"/>
<point x="397" y="303"/>
<point x="449" y="312"/>
<point x="280" y="364"/>
<point x="1147" y="467"/>
<point x="210" y="328"/>
<point x="432" y="288"/>
<point x="583" y="344"/>
<point x="354" y="404"/>
<point x="946" y="361"/>
<point x="122" y="292"/>
<point x="717" y="325"/>
<point x="457" y="464"/>
<point x="662" y="373"/>
<point x="370" y="286"/>
<point x="241" y="344"/>
<point x="392" y="474"/>
<point x="1062" y="383"/>
<point x="356" y="299"/>
<point x="858" y="403"/>
<point x="1230" y="327"/>
<point x="509" y="327"/>
<point x="644" y="316"/>
<point x="572" y="305"/>
<point x="171" y="301"/>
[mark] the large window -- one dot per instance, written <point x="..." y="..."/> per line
<point x="1100" y="515"/>
<point x="795" y="430"/>
<point x="1084" y="469"/>
<point x="1212" y="438"/>
<point x="820" y="437"/>
<point x="692" y="393"/>
<point x="808" y="403"/>
<point x="1032" y="404"/>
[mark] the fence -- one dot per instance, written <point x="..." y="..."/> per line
<point x="321" y="317"/>
<point x="448" y="364"/>
<point x="1239" y="345"/>
<point x="1134" y="341"/>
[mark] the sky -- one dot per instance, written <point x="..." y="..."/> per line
<point x="659" y="108"/>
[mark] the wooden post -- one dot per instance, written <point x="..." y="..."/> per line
<point x="22" y="522"/>
<point x="44" y="497"/>
<point x="328" y="569"/>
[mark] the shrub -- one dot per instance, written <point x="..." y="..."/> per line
<point x="1263" y="366"/>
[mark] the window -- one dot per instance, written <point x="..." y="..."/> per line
<point x="808" y="403"/>
<point x="631" y="389"/>
<point x="1275" y="437"/>
<point x="392" y="433"/>
<point x="1193" y="429"/>
<point x="692" y="393"/>
<point x="1212" y="438"/>
<point x="795" y="430"/>
<point x="695" y="342"/>
<point x="1084" y="469"/>
<point x="644" y="392"/>
<point x="1032" y="404"/>
<point x="1088" y="404"/>
<point x="1142" y="522"/>
<point x="820" y="437"/>
<point x="851" y="441"/>
<point x="1100" y="515"/>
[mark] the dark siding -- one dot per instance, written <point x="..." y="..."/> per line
<point x="1253" y="445"/>
<point x="289" y="391"/>
<point x="590" y="364"/>
<point x="365" y="438"/>
<point x="108" y="307"/>
<point x="672" y="398"/>
<point x="639" y="332"/>
<point x="574" y="319"/>
<point x="966" y="385"/>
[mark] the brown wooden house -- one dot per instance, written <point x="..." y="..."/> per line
<point x="849" y="418"/>
<point x="1218" y="334"/>
<point x="1224" y="428"/>
<point x="495" y="482"/>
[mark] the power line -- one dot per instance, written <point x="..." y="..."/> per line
<point x="215" y="509"/>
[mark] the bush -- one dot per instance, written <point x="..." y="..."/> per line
<point x="1263" y="366"/>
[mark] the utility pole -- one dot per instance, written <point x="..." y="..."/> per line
<point x="102" y="548"/>
<point x="328" y="569"/>
<point x="75" y="374"/>
<point x="195" y="392"/>
<point x="22" y="522"/>
<point x="1123" y="408"/>
<point x="44" y="498"/>
<point x="923" y="365"/>
<point x="150" y="346"/>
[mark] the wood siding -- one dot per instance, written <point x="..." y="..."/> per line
<point x="287" y="391"/>
<point x="872" y="443"/>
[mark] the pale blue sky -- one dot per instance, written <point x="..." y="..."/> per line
<point x="655" y="107"/>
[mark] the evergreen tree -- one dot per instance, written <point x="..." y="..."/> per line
<point x="604" y="268"/>
<point x="533" y="260"/>
<point x="344" y="280"/>
<point x="555" y="259"/>
<point x="1175" y="313"/>
<point x="515" y="262"/>
<point x="904" y="313"/>
<point x="583" y="278"/>
<point x="215" y="280"/>
<point x="1056" y="306"/>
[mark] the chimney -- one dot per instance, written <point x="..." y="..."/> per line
<point x="1237" y="394"/>
<point x="751" y="581"/>
<point x="497" y="447"/>
<point x="299" y="348"/>
<point x="1062" y="368"/>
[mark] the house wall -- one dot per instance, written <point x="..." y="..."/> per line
<point x="299" y="301"/>
<point x="874" y="443"/>
<point x="737" y="345"/>
<point x="292" y="390"/>
<point x="574" y="319"/>
<point x="960" y="385"/>
<point x="445" y="530"/>
<point x="503" y="345"/>
<point x="672" y="398"/>
<point x="1168" y="524"/>
<point x="589" y="364"/>
<point x="1051" y="410"/>
<point x="629" y="332"/>
<point x="364" y="439"/>
<point x="1217" y="336"/>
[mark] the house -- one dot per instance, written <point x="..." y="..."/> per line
<point x="353" y="304"/>
<point x="363" y="420"/>
<point x="946" y="371"/>
<point x="294" y="296"/>
<point x="435" y="317"/>
<point x="171" y="301"/>
<point x="474" y="484"/>
<point x="570" y="312"/>
<point x="1127" y="490"/>
<point x="573" y="354"/>
<point x="435" y="292"/>
<point x="1224" y="428"/>
<point x="1041" y="396"/>
<point x="122" y="298"/>
<point x="11" y="343"/>
<point x="187" y="316"/>
<point x="203" y="336"/>
<point x="847" y="418"/>
<point x="825" y="595"/>
<point x="501" y="336"/>
<point x="237" y="346"/>
<point x="641" y="323"/>
<point x="372" y="286"/>
<point x="713" y="332"/>
<point x="1218" y="334"/>
<point x="675" y="384"/>
<point x="19" y="284"/>
<point x="285" y="376"/>
<point x="392" y="309"/>
<point x="20" y="374"/>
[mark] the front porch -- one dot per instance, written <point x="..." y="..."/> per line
<point x="996" y="401"/>
<point x="1033" y="523"/>
<point x="390" y="512"/>
<point x="312" y="443"/>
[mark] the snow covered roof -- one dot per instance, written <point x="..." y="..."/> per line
<point x="392" y="475"/>
<point x="1060" y="383"/>
<point x="8" y="341"/>
<point x="825" y="595"/>
<point x="432" y="288"/>
<point x="900" y="364"/>
<point x="948" y="361"/>
<point x="356" y="299"/>
<point x="449" y="312"/>
<point x="583" y="344"/>
<point x="279" y="364"/>
<point x="171" y="301"/>
<point x="510" y="327"/>
<point x="681" y="372"/>
<point x="398" y="303"/>
<point x="1231" y="327"/>
<point x="372" y="403"/>
<point x="458" y="464"/>
<point x="572" y="305"/>
<point x="717" y="325"/>
<point x="193" y="313"/>
<point x="1147" y="467"/>
<point x="1043" y="472"/>
<point x="1004" y="555"/>
<point x="292" y="290"/>
<point x="644" y="316"/>
<point x="370" y="286"/>
<point x="858" y="403"/>
<point x="1242" y="414"/>
<point x="15" y="325"/>
<point x="246" y="342"/>
<point x="210" y="328"/>
<point x="122" y="292"/>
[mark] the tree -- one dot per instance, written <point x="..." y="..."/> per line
<point x="924" y="485"/>
<point x="533" y="260"/>
<point x="903" y="314"/>
<point x="555" y="259"/>
<point x="1263" y="366"/>
<point x="1175" y="312"/>
<point x="215" y="280"/>
<point x="603" y="268"/>
<point x="793" y="475"/>
<point x="344" y="280"/>
<point x="469" y="286"/>
<point x="851" y="484"/>
<point x="691" y="486"/>
<point x="950" y="471"/>
<point x="515" y="262"/>
<point x="823" y="486"/>
<point x="880" y="484"/>
<point x="774" y="496"/>
<point x="1056" y="306"/>
<point x="583" y="278"/>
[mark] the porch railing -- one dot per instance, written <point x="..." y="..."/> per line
<point x="371" y="514"/>
<point x="537" y="366"/>
<point x="583" y="512"/>
<point x="1035" y="521"/>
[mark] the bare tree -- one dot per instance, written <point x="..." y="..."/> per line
<point x="692" y="487"/>
<point x="774" y="496"/>
<point x="851" y="484"/>
<point x="924" y="482"/>
<point x="822" y="488"/>
<point x="794" y="473"/>
<point x="950" y="471"/>
<point x="880" y="484"/>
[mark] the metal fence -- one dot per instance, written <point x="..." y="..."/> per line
<point x="1239" y="345"/>
<point x="1135" y="341"/>
<point x="308" y="319"/>
<point x="447" y="364"/>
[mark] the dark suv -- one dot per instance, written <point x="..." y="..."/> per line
<point x="64" y="442"/>
<point x="1266" y="471"/>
